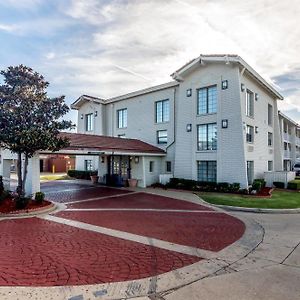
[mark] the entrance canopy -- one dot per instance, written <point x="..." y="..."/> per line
<point x="88" y="144"/>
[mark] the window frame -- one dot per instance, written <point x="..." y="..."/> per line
<point x="122" y="118"/>
<point x="208" y="104"/>
<point x="250" y="176"/>
<point x="158" y="137"/>
<point x="151" y="166"/>
<point x="210" y="169"/>
<point x="270" y="140"/>
<point x="270" y="115"/>
<point x="165" y="111"/>
<point x="89" y="122"/>
<point x="168" y="166"/>
<point x="251" y="134"/>
<point x="249" y="104"/>
<point x="270" y="163"/>
<point x="88" y="165"/>
<point x="207" y="132"/>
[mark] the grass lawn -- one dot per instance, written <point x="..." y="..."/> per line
<point x="55" y="177"/>
<point x="279" y="199"/>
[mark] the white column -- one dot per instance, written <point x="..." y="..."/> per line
<point x="33" y="176"/>
<point x="5" y="172"/>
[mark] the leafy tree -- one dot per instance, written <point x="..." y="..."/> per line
<point x="29" y="120"/>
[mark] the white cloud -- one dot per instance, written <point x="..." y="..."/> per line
<point x="7" y="27"/>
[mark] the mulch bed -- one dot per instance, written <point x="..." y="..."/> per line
<point x="265" y="192"/>
<point x="8" y="206"/>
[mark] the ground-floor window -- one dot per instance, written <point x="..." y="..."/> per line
<point x="287" y="165"/>
<point x="207" y="170"/>
<point x="168" y="166"/>
<point x="88" y="165"/>
<point x="250" y="171"/>
<point x="270" y="165"/>
<point x="151" y="166"/>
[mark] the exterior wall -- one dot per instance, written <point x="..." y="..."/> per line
<point x="229" y="139"/>
<point x="259" y="151"/>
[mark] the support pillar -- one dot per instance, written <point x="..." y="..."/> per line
<point x="33" y="176"/>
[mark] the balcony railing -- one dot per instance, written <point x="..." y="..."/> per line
<point x="287" y="154"/>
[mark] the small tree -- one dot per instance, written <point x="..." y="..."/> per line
<point x="29" y="120"/>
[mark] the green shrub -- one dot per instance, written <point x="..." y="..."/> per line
<point x="223" y="187"/>
<point x="4" y="195"/>
<point x="258" y="184"/>
<point x="294" y="185"/>
<point x="21" y="202"/>
<point x="39" y="197"/>
<point x="1" y="185"/>
<point x="234" y="187"/>
<point x="278" y="184"/>
<point x="79" y="174"/>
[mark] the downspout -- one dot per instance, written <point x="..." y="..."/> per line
<point x="174" y="120"/>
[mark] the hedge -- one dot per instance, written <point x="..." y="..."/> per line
<point x="294" y="185"/>
<point x="78" y="174"/>
<point x="278" y="184"/>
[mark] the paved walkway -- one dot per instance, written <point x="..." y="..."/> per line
<point x="106" y="243"/>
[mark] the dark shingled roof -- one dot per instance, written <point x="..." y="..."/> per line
<point x="108" y="143"/>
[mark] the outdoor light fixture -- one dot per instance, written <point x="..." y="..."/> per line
<point x="136" y="159"/>
<point x="256" y="129"/>
<point x="225" y="123"/>
<point x="242" y="87"/>
<point x="224" y="84"/>
<point x="81" y="116"/>
<point x="188" y="127"/>
<point x="189" y="92"/>
<point x="102" y="159"/>
<point x="256" y="96"/>
<point x="96" y="113"/>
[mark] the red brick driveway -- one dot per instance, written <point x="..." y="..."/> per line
<point x="68" y="249"/>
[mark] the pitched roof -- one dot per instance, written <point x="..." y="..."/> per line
<point x="84" y="98"/>
<point x="108" y="143"/>
<point x="226" y="58"/>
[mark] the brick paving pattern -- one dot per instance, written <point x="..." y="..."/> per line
<point x="140" y="200"/>
<point x="209" y="231"/>
<point x="36" y="252"/>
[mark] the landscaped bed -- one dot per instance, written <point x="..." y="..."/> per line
<point x="279" y="200"/>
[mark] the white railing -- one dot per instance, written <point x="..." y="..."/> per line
<point x="280" y="176"/>
<point x="287" y="154"/>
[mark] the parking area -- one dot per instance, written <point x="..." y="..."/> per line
<point x="105" y="235"/>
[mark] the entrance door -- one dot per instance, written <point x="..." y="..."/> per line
<point x="118" y="170"/>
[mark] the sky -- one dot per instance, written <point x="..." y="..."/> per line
<point x="107" y="48"/>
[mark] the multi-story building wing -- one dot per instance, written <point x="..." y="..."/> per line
<point x="217" y="121"/>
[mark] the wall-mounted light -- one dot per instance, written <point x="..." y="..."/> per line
<point x="189" y="92"/>
<point x="242" y="87"/>
<point x="256" y="96"/>
<point x="81" y="116"/>
<point x="256" y="129"/>
<point x="188" y="127"/>
<point x="136" y="159"/>
<point x="224" y="84"/>
<point x="225" y="123"/>
<point x="96" y="113"/>
<point x="102" y="159"/>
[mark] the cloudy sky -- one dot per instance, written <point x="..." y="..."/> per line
<point x="106" y="48"/>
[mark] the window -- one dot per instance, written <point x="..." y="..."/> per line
<point x="249" y="134"/>
<point x="89" y="122"/>
<point x="168" y="167"/>
<point x="285" y="146"/>
<point x="162" y="136"/>
<point x="151" y="166"/>
<point x="88" y="165"/>
<point x="249" y="104"/>
<point x="250" y="171"/>
<point x="207" y="170"/>
<point x="122" y="118"/>
<point x="270" y="165"/>
<point x="207" y="100"/>
<point x="285" y="127"/>
<point x="270" y="138"/>
<point x="162" y="111"/>
<point x="207" y="137"/>
<point x="270" y="115"/>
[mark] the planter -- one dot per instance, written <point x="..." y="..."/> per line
<point x="132" y="182"/>
<point x="94" y="178"/>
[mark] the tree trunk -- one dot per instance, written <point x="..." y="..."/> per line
<point x="25" y="170"/>
<point x="19" y="174"/>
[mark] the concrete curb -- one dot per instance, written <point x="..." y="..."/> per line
<point x="254" y="210"/>
<point x="33" y="213"/>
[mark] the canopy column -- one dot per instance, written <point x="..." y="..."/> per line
<point x="33" y="176"/>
